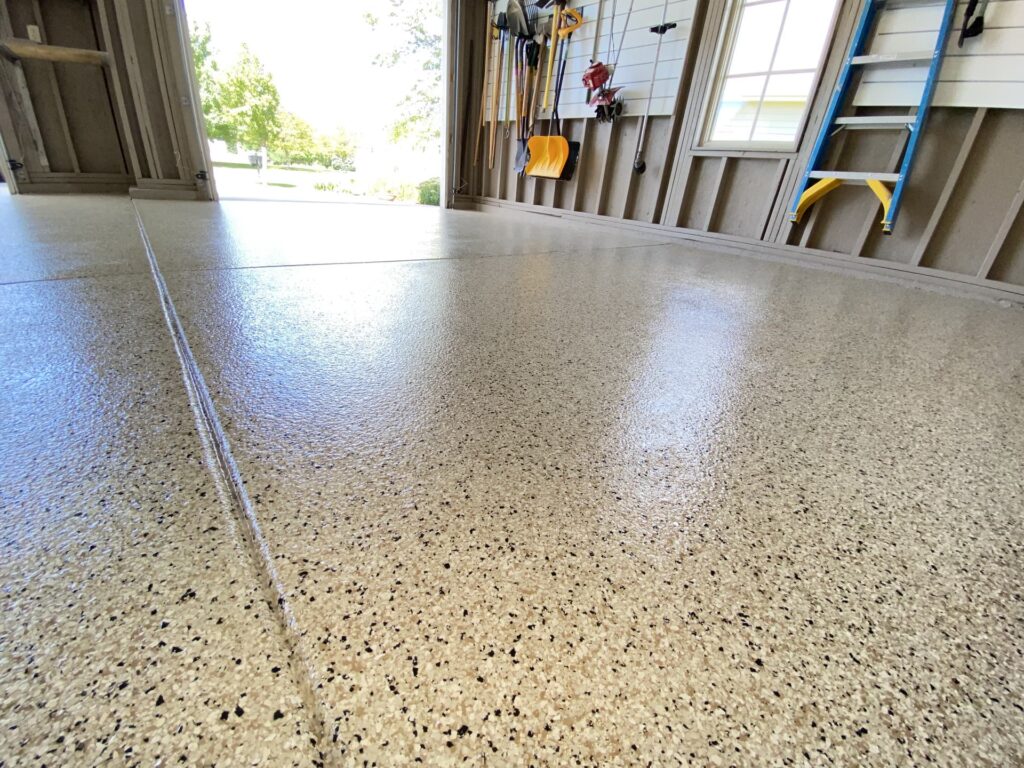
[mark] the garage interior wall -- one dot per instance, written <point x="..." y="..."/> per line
<point x="961" y="223"/>
<point x="124" y="125"/>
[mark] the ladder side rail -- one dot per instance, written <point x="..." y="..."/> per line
<point x="860" y="39"/>
<point x="922" y="114"/>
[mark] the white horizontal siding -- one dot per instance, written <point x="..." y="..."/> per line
<point x="635" y="63"/>
<point x="987" y="72"/>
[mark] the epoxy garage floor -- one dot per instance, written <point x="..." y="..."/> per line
<point x="366" y="485"/>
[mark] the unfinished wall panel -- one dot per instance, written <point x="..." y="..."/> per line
<point x="747" y="189"/>
<point x="646" y="192"/>
<point x="1008" y="266"/>
<point x="83" y="91"/>
<point x="700" y="194"/>
<point x="116" y="113"/>
<point x="937" y="155"/>
<point x="982" y="196"/>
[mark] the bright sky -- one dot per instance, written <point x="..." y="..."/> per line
<point x="320" y="53"/>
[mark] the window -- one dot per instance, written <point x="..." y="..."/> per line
<point x="768" y="62"/>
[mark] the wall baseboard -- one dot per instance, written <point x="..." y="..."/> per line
<point x="932" y="279"/>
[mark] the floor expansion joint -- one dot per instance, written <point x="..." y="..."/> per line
<point x="223" y="466"/>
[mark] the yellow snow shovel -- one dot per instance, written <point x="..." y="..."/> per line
<point x="549" y="155"/>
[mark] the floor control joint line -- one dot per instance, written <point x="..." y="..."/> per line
<point x="225" y="469"/>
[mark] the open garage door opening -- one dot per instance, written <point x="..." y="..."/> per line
<point x="321" y="100"/>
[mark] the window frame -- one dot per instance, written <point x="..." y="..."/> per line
<point x="719" y="66"/>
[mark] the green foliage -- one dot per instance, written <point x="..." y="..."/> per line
<point x="417" y="23"/>
<point x="207" y="74"/>
<point x="247" y="103"/>
<point x="430" y="192"/>
<point x="295" y="143"/>
<point x="336" y="151"/>
<point x="242" y="108"/>
<point x="299" y="144"/>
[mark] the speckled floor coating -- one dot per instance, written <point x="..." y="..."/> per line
<point x="616" y="503"/>
<point x="133" y="625"/>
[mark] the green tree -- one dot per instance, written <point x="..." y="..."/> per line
<point x="296" y="142"/>
<point x="418" y="24"/>
<point x="336" y="151"/>
<point x="248" y="104"/>
<point x="207" y="74"/>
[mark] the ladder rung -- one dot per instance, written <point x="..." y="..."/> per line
<point x="892" y="58"/>
<point x="895" y="5"/>
<point x="881" y="122"/>
<point x="854" y="176"/>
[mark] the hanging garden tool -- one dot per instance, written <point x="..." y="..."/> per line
<point x="531" y="59"/>
<point x="639" y="166"/>
<point x="554" y="156"/>
<point x="508" y="67"/>
<point x="483" y="88"/>
<point x="501" y="27"/>
<point x="520" y="27"/>
<point x="556" y="17"/>
<point x="598" y="77"/>
<point x="974" y="21"/>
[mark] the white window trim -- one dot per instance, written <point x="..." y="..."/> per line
<point x="723" y="54"/>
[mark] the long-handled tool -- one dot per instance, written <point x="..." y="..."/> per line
<point x="520" y="27"/>
<point x="573" y="158"/>
<point x="531" y="81"/>
<point x="496" y="93"/>
<point x="553" y="156"/>
<point x="639" y="166"/>
<point x="555" y="20"/>
<point x="522" y="76"/>
<point x="483" y="87"/>
<point x="508" y="81"/>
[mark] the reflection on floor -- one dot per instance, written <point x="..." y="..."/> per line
<point x="529" y="494"/>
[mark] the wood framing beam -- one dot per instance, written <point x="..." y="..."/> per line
<point x="1002" y="232"/>
<point x="709" y="219"/>
<point x="15" y="48"/>
<point x="780" y="173"/>
<point x="10" y="149"/>
<point x="162" y="60"/>
<point x="122" y="14"/>
<point x="13" y="82"/>
<point x="951" y="182"/>
<point x="51" y="75"/>
<point x="124" y="126"/>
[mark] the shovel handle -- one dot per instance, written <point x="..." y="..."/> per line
<point x="483" y="87"/>
<point x="495" y="91"/>
<point x="551" y="61"/>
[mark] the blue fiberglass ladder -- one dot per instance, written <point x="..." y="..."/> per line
<point x="818" y="182"/>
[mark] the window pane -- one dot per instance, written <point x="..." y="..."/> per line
<point x="785" y="99"/>
<point x="808" y="23"/>
<point x="755" y="38"/>
<point x="737" y="108"/>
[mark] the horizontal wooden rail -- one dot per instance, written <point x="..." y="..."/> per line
<point x="15" y="48"/>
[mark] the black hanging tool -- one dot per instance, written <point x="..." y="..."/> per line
<point x="974" y="21"/>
